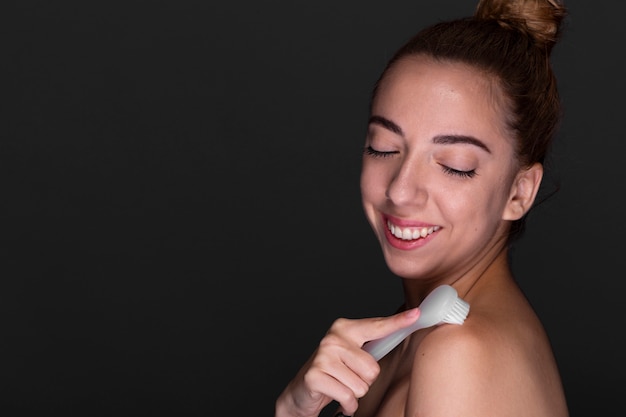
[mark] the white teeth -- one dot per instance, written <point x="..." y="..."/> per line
<point x="411" y="233"/>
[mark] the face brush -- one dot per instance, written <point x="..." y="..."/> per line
<point x="442" y="305"/>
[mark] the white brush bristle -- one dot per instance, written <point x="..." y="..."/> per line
<point x="458" y="313"/>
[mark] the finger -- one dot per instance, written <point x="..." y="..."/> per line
<point x="383" y="326"/>
<point x="355" y="370"/>
<point x="363" y="330"/>
<point x="361" y="371"/>
<point x="333" y="389"/>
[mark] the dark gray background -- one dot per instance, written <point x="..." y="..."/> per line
<point x="180" y="211"/>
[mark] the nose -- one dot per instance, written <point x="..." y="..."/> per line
<point x="408" y="186"/>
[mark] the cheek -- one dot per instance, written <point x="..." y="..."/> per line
<point x="482" y="206"/>
<point x="369" y="194"/>
<point x="372" y="182"/>
<point x="461" y="207"/>
<point x="471" y="205"/>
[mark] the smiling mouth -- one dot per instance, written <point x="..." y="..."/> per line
<point x="411" y="233"/>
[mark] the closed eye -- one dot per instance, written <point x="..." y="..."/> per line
<point x="378" y="154"/>
<point x="458" y="173"/>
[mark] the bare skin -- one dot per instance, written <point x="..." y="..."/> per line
<point x="440" y="185"/>
<point x="498" y="363"/>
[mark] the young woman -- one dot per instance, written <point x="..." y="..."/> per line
<point x="461" y="121"/>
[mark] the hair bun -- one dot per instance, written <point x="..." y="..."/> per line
<point x="540" y="19"/>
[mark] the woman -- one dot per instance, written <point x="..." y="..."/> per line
<point x="461" y="121"/>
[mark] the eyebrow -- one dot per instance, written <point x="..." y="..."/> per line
<point x="454" y="139"/>
<point x="439" y="139"/>
<point x="387" y="124"/>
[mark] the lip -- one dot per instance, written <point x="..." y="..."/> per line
<point x="406" y="244"/>
<point x="404" y="223"/>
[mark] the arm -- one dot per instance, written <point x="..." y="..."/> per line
<point x="339" y="369"/>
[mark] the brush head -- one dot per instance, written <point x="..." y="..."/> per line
<point x="443" y="305"/>
<point x="458" y="312"/>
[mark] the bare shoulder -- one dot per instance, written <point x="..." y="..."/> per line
<point x="451" y="360"/>
<point x="489" y="366"/>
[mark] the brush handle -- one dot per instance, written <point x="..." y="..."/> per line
<point x="433" y="309"/>
<point x="380" y="347"/>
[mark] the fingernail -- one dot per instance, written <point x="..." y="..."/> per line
<point x="414" y="312"/>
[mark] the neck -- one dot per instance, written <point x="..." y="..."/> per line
<point x="490" y="270"/>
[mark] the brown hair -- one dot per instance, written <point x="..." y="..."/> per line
<point x="512" y="41"/>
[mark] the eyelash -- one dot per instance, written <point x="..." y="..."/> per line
<point x="377" y="154"/>
<point x="457" y="173"/>
<point x="450" y="171"/>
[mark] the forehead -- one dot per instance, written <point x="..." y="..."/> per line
<point x="419" y="92"/>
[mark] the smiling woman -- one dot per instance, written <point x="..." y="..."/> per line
<point x="460" y="124"/>
<point x="449" y="151"/>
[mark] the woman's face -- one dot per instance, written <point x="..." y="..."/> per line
<point x="438" y="168"/>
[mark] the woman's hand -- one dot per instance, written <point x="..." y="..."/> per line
<point x="339" y="369"/>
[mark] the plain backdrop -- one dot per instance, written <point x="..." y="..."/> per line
<point x="180" y="212"/>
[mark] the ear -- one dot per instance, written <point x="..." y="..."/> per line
<point x="523" y="192"/>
